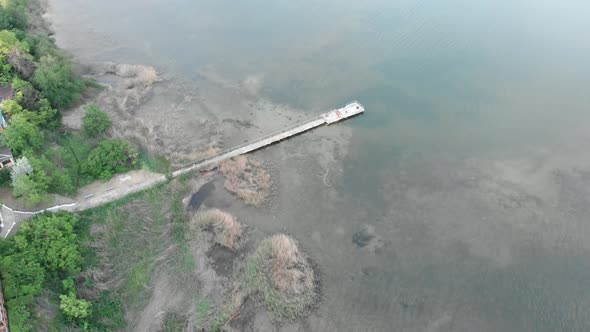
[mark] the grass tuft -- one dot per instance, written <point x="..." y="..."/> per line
<point x="247" y="179"/>
<point x="225" y="228"/>
<point x="283" y="276"/>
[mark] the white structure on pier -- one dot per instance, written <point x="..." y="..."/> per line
<point x="347" y="111"/>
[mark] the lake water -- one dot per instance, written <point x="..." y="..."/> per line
<point x="469" y="174"/>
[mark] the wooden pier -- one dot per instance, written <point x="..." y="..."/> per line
<point x="330" y="117"/>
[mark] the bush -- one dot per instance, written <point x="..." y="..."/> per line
<point x="21" y="167"/>
<point x="95" y="121"/>
<point x="73" y="307"/>
<point x="224" y="227"/>
<point x="59" y="181"/>
<point x="283" y="275"/>
<point x="31" y="187"/>
<point x="5" y="177"/>
<point x="110" y="157"/>
<point x="26" y="94"/>
<point x="6" y="71"/>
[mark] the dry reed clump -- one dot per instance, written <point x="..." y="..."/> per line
<point x="284" y="276"/>
<point x="290" y="271"/>
<point x="247" y="179"/>
<point x="225" y="228"/>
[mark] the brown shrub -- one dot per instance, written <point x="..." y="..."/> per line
<point x="283" y="275"/>
<point x="225" y="228"/>
<point x="291" y="272"/>
<point x="247" y="179"/>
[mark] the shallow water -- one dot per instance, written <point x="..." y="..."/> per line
<point x="470" y="169"/>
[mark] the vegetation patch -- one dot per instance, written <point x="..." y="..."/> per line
<point x="283" y="276"/>
<point x="247" y="179"/>
<point x="40" y="81"/>
<point x="46" y="254"/>
<point x="225" y="228"/>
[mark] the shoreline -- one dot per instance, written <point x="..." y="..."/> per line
<point x="219" y="113"/>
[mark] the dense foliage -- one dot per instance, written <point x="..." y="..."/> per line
<point x="45" y="249"/>
<point x="56" y="81"/>
<point x="12" y="15"/>
<point x="22" y="135"/>
<point x="110" y="157"/>
<point x="44" y="81"/>
<point x="95" y="121"/>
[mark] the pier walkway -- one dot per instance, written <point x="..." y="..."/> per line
<point x="336" y="115"/>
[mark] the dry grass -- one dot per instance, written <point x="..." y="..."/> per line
<point x="225" y="228"/>
<point x="291" y="272"/>
<point x="247" y="179"/>
<point x="283" y="276"/>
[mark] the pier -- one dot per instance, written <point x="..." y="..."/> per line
<point x="348" y="111"/>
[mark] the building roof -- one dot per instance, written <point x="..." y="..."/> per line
<point x="5" y="153"/>
<point x="6" y="91"/>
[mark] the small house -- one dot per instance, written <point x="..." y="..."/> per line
<point x="6" y="157"/>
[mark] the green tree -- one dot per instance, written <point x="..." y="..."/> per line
<point x="50" y="240"/>
<point x="20" y="314"/>
<point x="110" y="157"/>
<point x="45" y="247"/>
<point x="44" y="116"/>
<point x="73" y="307"/>
<point x="59" y="181"/>
<point x="31" y="187"/>
<point x="95" y="121"/>
<point x="26" y="95"/>
<point x="56" y="80"/>
<point x="21" y="135"/>
<point x="12" y="15"/>
<point x="22" y="276"/>
<point x="21" y="167"/>
<point x="6" y="71"/>
<point x="9" y="40"/>
<point x="11" y="107"/>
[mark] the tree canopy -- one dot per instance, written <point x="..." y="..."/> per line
<point x="110" y="157"/>
<point x="45" y="248"/>
<point x="21" y="135"/>
<point x="95" y="121"/>
<point x="56" y="80"/>
<point x="12" y="15"/>
<point x="51" y="241"/>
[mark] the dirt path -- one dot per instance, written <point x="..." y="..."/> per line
<point x="121" y="185"/>
<point x="92" y="195"/>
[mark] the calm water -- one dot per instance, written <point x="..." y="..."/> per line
<point x="471" y="164"/>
